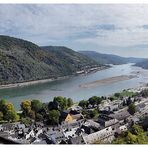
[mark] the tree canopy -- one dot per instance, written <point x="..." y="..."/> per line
<point x="62" y="102"/>
<point x="132" y="108"/>
<point x="26" y="107"/>
<point x="1" y="116"/>
<point x="83" y="103"/>
<point x="144" y="93"/>
<point x="69" y="102"/>
<point x="136" y="135"/>
<point x="36" y="105"/>
<point x="53" y="117"/>
<point x="7" y="111"/>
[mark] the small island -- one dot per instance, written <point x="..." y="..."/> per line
<point x="108" y="81"/>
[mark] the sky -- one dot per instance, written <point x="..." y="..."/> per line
<point x="110" y="28"/>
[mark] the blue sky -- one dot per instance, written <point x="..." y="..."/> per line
<point x="116" y="29"/>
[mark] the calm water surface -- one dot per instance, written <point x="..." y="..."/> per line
<point x="70" y="87"/>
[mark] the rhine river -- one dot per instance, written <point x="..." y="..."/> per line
<point x="70" y="87"/>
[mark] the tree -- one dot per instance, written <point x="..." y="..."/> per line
<point x="7" y="111"/>
<point x="83" y="103"/>
<point x="144" y="93"/>
<point x="26" y="107"/>
<point x="144" y="122"/>
<point x="136" y="129"/>
<point x="69" y="102"/>
<point x="3" y="104"/>
<point x="10" y="106"/>
<point x="99" y="100"/>
<point x="111" y="98"/>
<point x="27" y="121"/>
<point x="36" y="105"/>
<point x="52" y="105"/>
<point x="44" y="109"/>
<point x="136" y="135"/>
<point x="132" y="108"/>
<point x="131" y="139"/>
<point x="31" y="114"/>
<point x="39" y="117"/>
<point x="92" y="113"/>
<point x="11" y="115"/>
<point x="129" y="101"/>
<point x="93" y="100"/>
<point x="117" y="95"/>
<point x="62" y="102"/>
<point x="53" y="117"/>
<point x="1" y="116"/>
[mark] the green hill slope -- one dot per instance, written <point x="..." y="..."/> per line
<point x="22" y="61"/>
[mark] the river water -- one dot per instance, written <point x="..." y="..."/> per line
<point x="70" y="87"/>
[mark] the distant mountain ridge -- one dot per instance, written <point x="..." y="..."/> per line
<point x="143" y="64"/>
<point x="21" y="61"/>
<point x="109" y="58"/>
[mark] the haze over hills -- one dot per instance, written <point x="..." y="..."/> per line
<point x="109" y="58"/>
<point x="22" y="60"/>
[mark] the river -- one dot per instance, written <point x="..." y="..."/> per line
<point x="70" y="87"/>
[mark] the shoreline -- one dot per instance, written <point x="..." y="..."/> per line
<point x="27" y="83"/>
<point x="107" y="81"/>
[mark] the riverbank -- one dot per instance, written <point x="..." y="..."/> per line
<point x="21" y="84"/>
<point x="31" y="82"/>
<point x="108" y="81"/>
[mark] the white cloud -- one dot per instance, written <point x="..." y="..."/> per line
<point x="99" y="25"/>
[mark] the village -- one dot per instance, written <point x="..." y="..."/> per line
<point x="75" y="128"/>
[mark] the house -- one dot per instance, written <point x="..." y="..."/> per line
<point x="31" y="134"/>
<point x="135" y="120"/>
<point x="101" y="135"/>
<point x="141" y="107"/>
<point x="114" y="107"/>
<point x="69" y="116"/>
<point x="105" y="102"/>
<point x="121" y="129"/>
<point x="106" y="120"/>
<point x="8" y="126"/>
<point x="88" y="129"/>
<point x="71" y="132"/>
<point x="73" y="124"/>
<point x="111" y="108"/>
<point x="76" y="140"/>
<point x="92" y="124"/>
<point x="20" y="126"/>
<point x="38" y="141"/>
<point x="77" y="116"/>
<point x="65" y="116"/>
<point x="54" y="136"/>
<point x="90" y="106"/>
<point x="121" y="115"/>
<point x="77" y="108"/>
